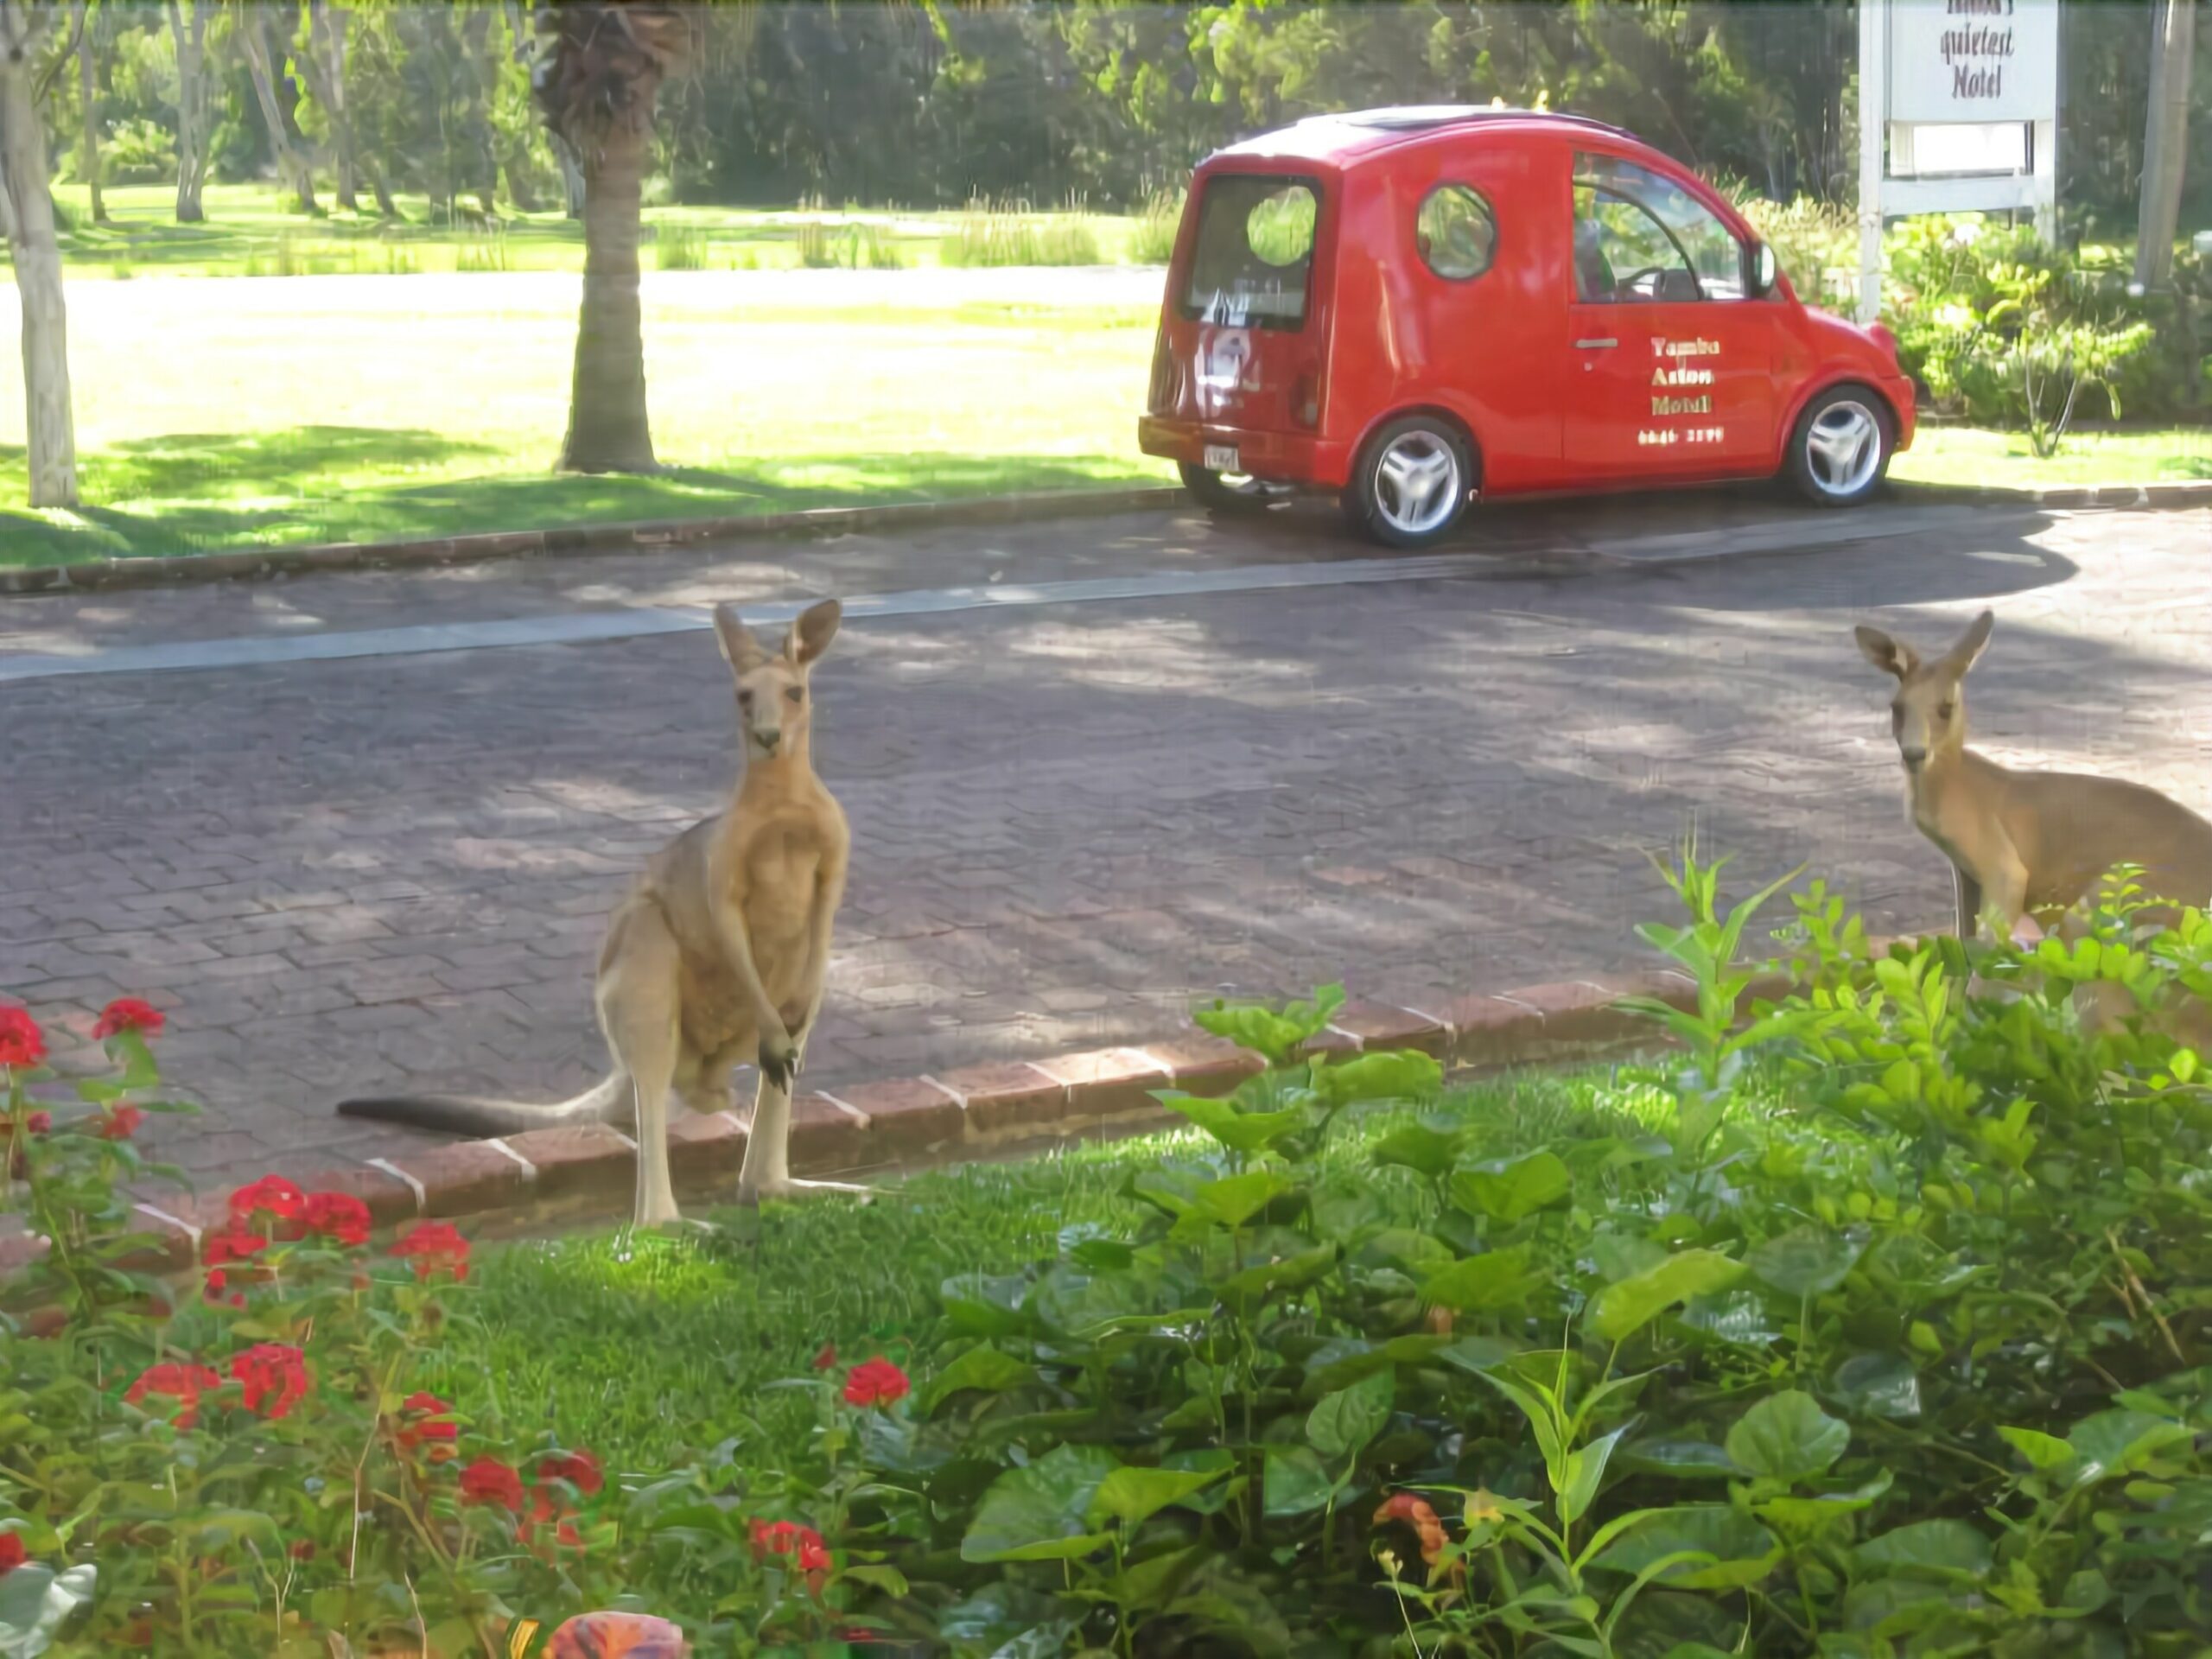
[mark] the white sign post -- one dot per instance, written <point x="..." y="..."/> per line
<point x="1957" y="112"/>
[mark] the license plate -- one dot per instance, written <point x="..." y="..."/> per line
<point x="1222" y="458"/>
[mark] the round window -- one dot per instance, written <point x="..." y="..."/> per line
<point x="1455" y="232"/>
<point x="1279" y="227"/>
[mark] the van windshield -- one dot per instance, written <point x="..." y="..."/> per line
<point x="1255" y="251"/>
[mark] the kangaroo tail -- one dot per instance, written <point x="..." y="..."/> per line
<point x="612" y="1101"/>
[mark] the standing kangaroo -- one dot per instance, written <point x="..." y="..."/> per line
<point x="2023" y="843"/>
<point x="719" y="953"/>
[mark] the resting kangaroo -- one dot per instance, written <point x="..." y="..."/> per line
<point x="2024" y="843"/>
<point x="719" y="953"/>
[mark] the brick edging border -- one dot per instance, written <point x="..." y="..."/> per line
<point x="558" y="1177"/>
<point x="264" y="564"/>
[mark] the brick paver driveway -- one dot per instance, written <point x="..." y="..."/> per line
<point x="1069" y="821"/>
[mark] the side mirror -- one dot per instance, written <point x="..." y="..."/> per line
<point x="1765" y="272"/>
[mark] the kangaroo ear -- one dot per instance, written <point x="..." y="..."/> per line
<point x="739" y="649"/>
<point x="1891" y="656"/>
<point x="1973" y="642"/>
<point x="811" y="635"/>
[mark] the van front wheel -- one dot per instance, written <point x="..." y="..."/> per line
<point x="1224" y="492"/>
<point x="1840" y="450"/>
<point x="1411" y="483"/>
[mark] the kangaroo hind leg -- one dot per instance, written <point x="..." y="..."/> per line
<point x="639" y="1009"/>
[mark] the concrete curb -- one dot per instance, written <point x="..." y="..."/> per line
<point x="267" y="563"/>
<point x="554" y="1177"/>
<point x="2180" y="492"/>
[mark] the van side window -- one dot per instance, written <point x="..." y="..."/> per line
<point x="1640" y="239"/>
<point x="1253" y="253"/>
<point x="1456" y="232"/>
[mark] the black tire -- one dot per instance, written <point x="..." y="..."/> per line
<point x="1819" y="471"/>
<point x="1368" y="504"/>
<point x="1214" y="492"/>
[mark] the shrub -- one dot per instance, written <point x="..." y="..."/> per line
<point x="2004" y="329"/>
<point x="138" y="151"/>
<point x="1151" y="238"/>
<point x="1815" y="241"/>
<point x="1005" y="235"/>
<point x="679" y="247"/>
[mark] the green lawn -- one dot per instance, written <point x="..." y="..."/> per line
<point x="213" y="414"/>
<point x="253" y="230"/>
<point x="1952" y="454"/>
<point x="666" y="1346"/>
<point x="223" y="413"/>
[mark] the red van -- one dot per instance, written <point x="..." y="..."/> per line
<point x="1410" y="307"/>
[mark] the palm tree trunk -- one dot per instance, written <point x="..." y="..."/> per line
<point x="88" y="157"/>
<point x="192" y="121"/>
<point x="608" y="431"/>
<point x="49" y="424"/>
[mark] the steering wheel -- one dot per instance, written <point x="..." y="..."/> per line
<point x="1653" y="273"/>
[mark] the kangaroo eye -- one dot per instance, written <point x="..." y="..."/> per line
<point x="745" y="699"/>
<point x="797" y="694"/>
<point x="1943" y="711"/>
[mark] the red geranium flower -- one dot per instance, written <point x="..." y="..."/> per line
<point x="129" y="1013"/>
<point x="272" y="1195"/>
<point x="876" y="1382"/>
<point x="271" y="1374"/>
<point x="543" y="1510"/>
<point x="489" y="1481"/>
<point x="121" y="1123"/>
<point x="230" y="1244"/>
<point x="827" y="1359"/>
<point x="435" y="1245"/>
<point x="1419" y="1514"/>
<point x="39" y="1122"/>
<point x="12" y="1552"/>
<point x="813" y="1556"/>
<point x="580" y="1469"/>
<point x="22" y="1043"/>
<point x="784" y="1538"/>
<point x="303" y="1551"/>
<point x="184" y="1383"/>
<point x="338" y="1217"/>
<point x="430" y="1423"/>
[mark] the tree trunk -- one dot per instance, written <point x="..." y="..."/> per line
<point x="608" y="431"/>
<point x="572" y="175"/>
<point x="49" y="424"/>
<point x="2165" y="143"/>
<point x="88" y="157"/>
<point x="192" y="117"/>
<point x="325" y="64"/>
<point x="261" y="66"/>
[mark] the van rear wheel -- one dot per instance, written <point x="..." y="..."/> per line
<point x="1413" y="482"/>
<point x="1229" y="492"/>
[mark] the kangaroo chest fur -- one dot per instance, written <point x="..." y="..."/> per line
<point x="766" y="858"/>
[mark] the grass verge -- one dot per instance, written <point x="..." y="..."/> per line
<point x="668" y="1347"/>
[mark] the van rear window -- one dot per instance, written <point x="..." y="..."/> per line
<point x="1254" y="255"/>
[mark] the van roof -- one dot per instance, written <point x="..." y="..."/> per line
<point x="1343" y="139"/>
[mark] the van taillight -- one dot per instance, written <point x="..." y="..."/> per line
<point x="1162" y="400"/>
<point x="1305" y="400"/>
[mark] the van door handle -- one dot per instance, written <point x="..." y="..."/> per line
<point x="1595" y="344"/>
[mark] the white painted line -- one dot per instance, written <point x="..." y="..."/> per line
<point x="1154" y="1061"/>
<point x="616" y="1133"/>
<point x="1358" y="1041"/>
<point x="529" y="1169"/>
<point x="950" y="1093"/>
<point x="590" y="626"/>
<point x="421" y="1196"/>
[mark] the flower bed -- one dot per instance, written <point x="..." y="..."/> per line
<point x="1874" y="1323"/>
